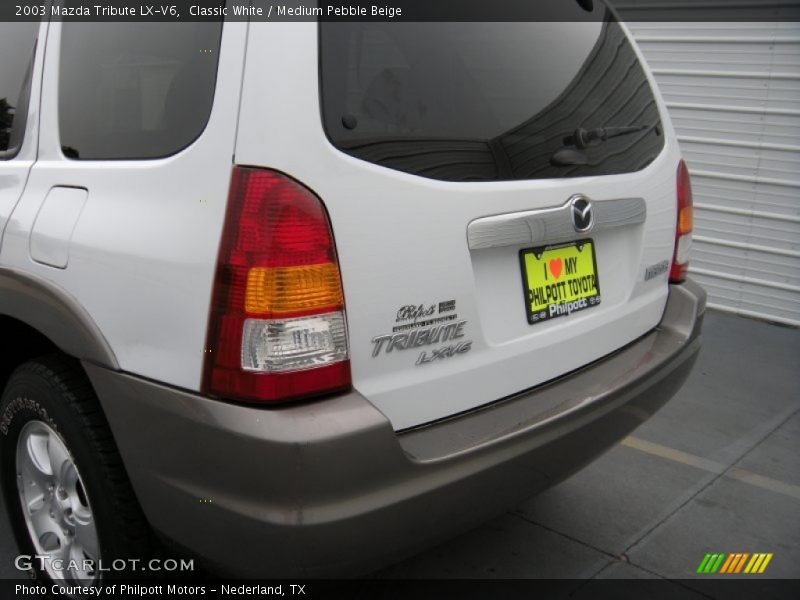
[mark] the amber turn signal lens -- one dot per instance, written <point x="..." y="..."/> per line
<point x="685" y="220"/>
<point x="282" y="290"/>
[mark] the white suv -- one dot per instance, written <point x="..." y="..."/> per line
<point x="301" y="298"/>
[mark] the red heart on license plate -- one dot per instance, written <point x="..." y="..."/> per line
<point x="555" y="267"/>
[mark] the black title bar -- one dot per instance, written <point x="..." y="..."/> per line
<point x="396" y="10"/>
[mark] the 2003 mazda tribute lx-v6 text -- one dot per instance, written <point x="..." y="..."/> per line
<point x="302" y="298"/>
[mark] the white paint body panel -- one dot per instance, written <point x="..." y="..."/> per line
<point x="142" y="255"/>
<point x="402" y="240"/>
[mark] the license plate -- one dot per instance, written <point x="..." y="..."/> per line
<point x="559" y="280"/>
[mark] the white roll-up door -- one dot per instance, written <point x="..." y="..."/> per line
<point x="733" y="92"/>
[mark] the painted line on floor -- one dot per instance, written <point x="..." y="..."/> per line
<point x="767" y="483"/>
<point x="736" y="473"/>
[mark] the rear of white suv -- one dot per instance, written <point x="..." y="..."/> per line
<point x="444" y="269"/>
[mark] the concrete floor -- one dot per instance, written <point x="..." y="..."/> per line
<point x="717" y="470"/>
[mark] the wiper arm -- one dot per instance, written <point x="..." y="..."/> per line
<point x="583" y="138"/>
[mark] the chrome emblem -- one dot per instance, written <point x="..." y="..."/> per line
<point x="582" y="215"/>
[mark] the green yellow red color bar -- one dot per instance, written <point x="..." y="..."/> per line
<point x="735" y="562"/>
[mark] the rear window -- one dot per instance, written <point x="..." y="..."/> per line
<point x="489" y="101"/>
<point x="135" y="90"/>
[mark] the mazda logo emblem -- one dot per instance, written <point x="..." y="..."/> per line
<point x="582" y="214"/>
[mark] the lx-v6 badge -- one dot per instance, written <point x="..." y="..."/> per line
<point x="425" y="336"/>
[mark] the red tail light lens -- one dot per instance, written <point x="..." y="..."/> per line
<point x="683" y="227"/>
<point x="277" y="325"/>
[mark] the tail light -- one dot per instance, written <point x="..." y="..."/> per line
<point x="277" y="325"/>
<point x="683" y="228"/>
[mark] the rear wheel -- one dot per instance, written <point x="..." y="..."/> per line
<point x="55" y="507"/>
<point x="70" y="501"/>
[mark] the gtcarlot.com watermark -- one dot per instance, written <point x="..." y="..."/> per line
<point x="26" y="562"/>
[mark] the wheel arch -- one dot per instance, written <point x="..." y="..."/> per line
<point x="38" y="317"/>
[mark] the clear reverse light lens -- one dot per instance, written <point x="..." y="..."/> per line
<point x="279" y="345"/>
<point x="683" y="249"/>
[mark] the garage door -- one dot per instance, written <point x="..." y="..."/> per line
<point x="733" y="91"/>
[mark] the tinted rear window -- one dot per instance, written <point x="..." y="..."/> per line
<point x="488" y="101"/>
<point x="135" y="90"/>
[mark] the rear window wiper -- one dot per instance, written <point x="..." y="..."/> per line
<point x="575" y="145"/>
<point x="583" y="138"/>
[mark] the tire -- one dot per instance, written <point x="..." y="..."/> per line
<point x="49" y="415"/>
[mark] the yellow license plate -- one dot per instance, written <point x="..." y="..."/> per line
<point x="559" y="280"/>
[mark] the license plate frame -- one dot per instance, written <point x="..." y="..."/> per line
<point x="549" y="268"/>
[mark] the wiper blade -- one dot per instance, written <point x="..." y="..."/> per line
<point x="583" y="138"/>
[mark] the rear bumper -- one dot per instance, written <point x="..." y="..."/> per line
<point x="328" y="488"/>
